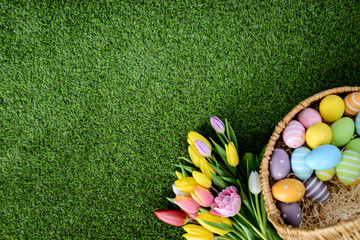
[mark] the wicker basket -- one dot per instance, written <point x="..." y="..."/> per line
<point x="341" y="230"/>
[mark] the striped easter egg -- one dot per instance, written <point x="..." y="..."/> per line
<point x="294" y="134"/>
<point x="356" y="182"/>
<point x="298" y="163"/>
<point x="352" y="104"/>
<point x="357" y="124"/>
<point x="348" y="170"/>
<point x="316" y="189"/>
<point x="325" y="175"/>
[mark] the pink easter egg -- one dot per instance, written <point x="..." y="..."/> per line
<point x="308" y="117"/>
<point x="294" y="134"/>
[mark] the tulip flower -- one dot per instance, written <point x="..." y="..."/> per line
<point x="194" y="155"/>
<point x="203" y="148"/>
<point x="193" y="136"/>
<point x="172" y="217"/>
<point x="254" y="183"/>
<point x="179" y="174"/>
<point x="187" y="203"/>
<point x="202" y="196"/>
<point x="214" y="223"/>
<point x="206" y="168"/>
<point x="178" y="191"/>
<point x="202" y="179"/>
<point x="217" y="124"/>
<point x="186" y="184"/>
<point x="231" y="154"/>
<point x="196" y="232"/>
<point x="192" y="216"/>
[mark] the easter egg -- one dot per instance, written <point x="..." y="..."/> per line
<point x="323" y="157"/>
<point x="342" y="131"/>
<point x="288" y="190"/>
<point x="353" y="145"/>
<point x="357" y="124"/>
<point x="348" y="170"/>
<point x="318" y="134"/>
<point x="331" y="108"/>
<point x="352" y="104"/>
<point x="316" y="190"/>
<point x="279" y="164"/>
<point x="298" y="163"/>
<point x="290" y="213"/>
<point x="356" y="182"/>
<point x="325" y="175"/>
<point x="294" y="134"/>
<point x="308" y="117"/>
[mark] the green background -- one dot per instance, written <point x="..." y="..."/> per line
<point x="97" y="98"/>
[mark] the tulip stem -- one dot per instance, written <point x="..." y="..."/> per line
<point x="252" y="226"/>
<point x="214" y="189"/>
<point x="259" y="215"/>
<point x="226" y="138"/>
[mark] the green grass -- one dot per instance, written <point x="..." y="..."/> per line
<point x="97" y="98"/>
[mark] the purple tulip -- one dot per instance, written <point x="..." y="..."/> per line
<point x="203" y="148"/>
<point x="217" y="124"/>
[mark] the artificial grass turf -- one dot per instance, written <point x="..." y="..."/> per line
<point x="97" y="99"/>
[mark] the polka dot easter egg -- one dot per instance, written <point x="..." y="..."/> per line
<point x="352" y="104"/>
<point x="348" y="170"/>
<point x="325" y="175"/>
<point x="294" y="134"/>
<point x="298" y="163"/>
<point x="331" y="108"/>
<point x="290" y="213"/>
<point x="318" y="134"/>
<point x="316" y="190"/>
<point x="342" y="131"/>
<point x="308" y="117"/>
<point x="288" y="190"/>
<point x="323" y="157"/>
<point x="279" y="164"/>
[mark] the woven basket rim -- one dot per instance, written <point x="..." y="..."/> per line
<point x="272" y="212"/>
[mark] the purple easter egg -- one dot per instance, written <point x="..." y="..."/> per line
<point x="316" y="189"/>
<point x="279" y="164"/>
<point x="290" y="213"/>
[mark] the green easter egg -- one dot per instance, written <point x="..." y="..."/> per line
<point x="354" y="145"/>
<point x="348" y="169"/>
<point x="325" y="175"/>
<point x="342" y="131"/>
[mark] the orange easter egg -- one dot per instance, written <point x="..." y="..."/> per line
<point x="356" y="182"/>
<point x="288" y="190"/>
<point x="352" y="104"/>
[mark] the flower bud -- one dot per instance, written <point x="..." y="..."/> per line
<point x="216" y="224"/>
<point x="186" y="184"/>
<point x="194" y="155"/>
<point x="203" y="148"/>
<point x="254" y="183"/>
<point x="196" y="232"/>
<point x="202" y="196"/>
<point x="172" y="217"/>
<point x="187" y="203"/>
<point x="202" y="179"/>
<point x="231" y="154"/>
<point x="193" y="136"/>
<point x="217" y="124"/>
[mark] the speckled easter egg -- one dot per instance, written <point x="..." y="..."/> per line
<point x="308" y="117"/>
<point x="279" y="164"/>
<point x="348" y="170"/>
<point x="294" y="134"/>
<point x="357" y="124"/>
<point x="331" y="108"/>
<point x="353" y="145"/>
<point x="288" y="190"/>
<point x="342" y="131"/>
<point x="323" y="157"/>
<point x="325" y="175"/>
<point x="298" y="163"/>
<point x="290" y="213"/>
<point x="318" y="134"/>
<point x="316" y="190"/>
<point x="352" y="104"/>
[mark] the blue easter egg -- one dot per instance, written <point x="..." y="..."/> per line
<point x="298" y="163"/>
<point x="323" y="157"/>
<point x="357" y="123"/>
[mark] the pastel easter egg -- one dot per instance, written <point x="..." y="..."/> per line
<point x="298" y="163"/>
<point x="325" y="175"/>
<point x="316" y="190"/>
<point x="348" y="170"/>
<point x="356" y="182"/>
<point x="318" y="134"/>
<point x="323" y="157"/>
<point x="352" y="104"/>
<point x="331" y="108"/>
<point x="353" y="145"/>
<point x="357" y="124"/>
<point x="288" y="190"/>
<point x="290" y="213"/>
<point x="308" y="117"/>
<point x="279" y="164"/>
<point x="342" y="131"/>
<point x="294" y="134"/>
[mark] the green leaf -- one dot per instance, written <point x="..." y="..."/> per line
<point x="248" y="231"/>
<point x="263" y="210"/>
<point x="231" y="134"/>
<point x="245" y="199"/>
<point x="171" y="200"/>
<point x="183" y="171"/>
<point x="222" y="138"/>
<point x="218" y="181"/>
<point x="220" y="171"/>
<point x="222" y="226"/>
<point x="233" y="236"/>
<point x="186" y="159"/>
<point x="219" y="150"/>
<point x="230" y="180"/>
<point x="272" y="234"/>
<point x="262" y="152"/>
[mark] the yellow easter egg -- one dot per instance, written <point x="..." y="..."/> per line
<point x="288" y="190"/>
<point x="318" y="134"/>
<point x="325" y="175"/>
<point x="332" y="108"/>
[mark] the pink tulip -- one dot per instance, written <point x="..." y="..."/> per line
<point x="203" y="148"/>
<point x="187" y="203"/>
<point x="217" y="124"/>
<point x="172" y="217"/>
<point x="202" y="196"/>
<point x="227" y="203"/>
<point x="192" y="216"/>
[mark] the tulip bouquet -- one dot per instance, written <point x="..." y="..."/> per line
<point x="218" y="196"/>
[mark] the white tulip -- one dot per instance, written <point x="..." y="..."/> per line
<point x="254" y="183"/>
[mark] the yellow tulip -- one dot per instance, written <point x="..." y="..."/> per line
<point x="206" y="168"/>
<point x="231" y="154"/>
<point x="186" y="184"/>
<point x="202" y="179"/>
<point x="196" y="232"/>
<point x="214" y="223"/>
<point x="194" y="155"/>
<point x="179" y="175"/>
<point x="193" y="136"/>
